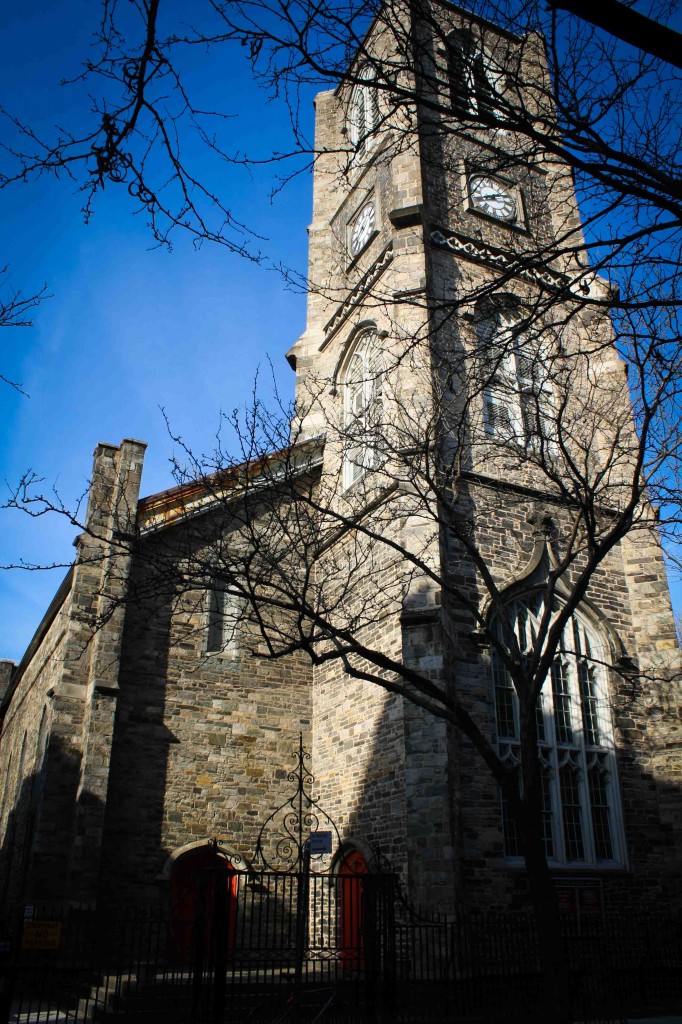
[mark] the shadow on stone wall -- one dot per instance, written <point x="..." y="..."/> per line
<point x="407" y="804"/>
<point x="38" y="842"/>
<point x="132" y="857"/>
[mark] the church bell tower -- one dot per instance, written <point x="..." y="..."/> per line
<point x="451" y="310"/>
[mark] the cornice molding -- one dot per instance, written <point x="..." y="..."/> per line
<point x="504" y="260"/>
<point x="356" y="294"/>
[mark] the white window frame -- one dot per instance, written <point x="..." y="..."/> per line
<point x="575" y="743"/>
<point x="224" y="620"/>
<point x="513" y="374"/>
<point x="363" y="113"/>
<point x="363" y="406"/>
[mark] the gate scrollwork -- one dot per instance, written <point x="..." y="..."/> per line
<point x="283" y="843"/>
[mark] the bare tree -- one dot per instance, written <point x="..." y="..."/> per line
<point x="136" y="134"/>
<point x="318" y="566"/>
<point x="329" y="569"/>
<point x="631" y="26"/>
<point x="520" y="370"/>
<point x="14" y="308"/>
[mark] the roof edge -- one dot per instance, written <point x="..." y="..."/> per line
<point x="48" y="618"/>
<point x="464" y="12"/>
<point x="164" y="508"/>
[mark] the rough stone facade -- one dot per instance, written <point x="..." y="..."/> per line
<point x="126" y="741"/>
<point x="211" y="734"/>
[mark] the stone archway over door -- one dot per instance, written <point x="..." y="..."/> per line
<point x="200" y="879"/>
<point x="351" y="884"/>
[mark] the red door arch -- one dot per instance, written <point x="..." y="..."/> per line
<point x="351" y="883"/>
<point x="199" y="880"/>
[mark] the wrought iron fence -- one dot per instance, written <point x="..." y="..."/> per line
<point x="264" y="938"/>
<point x="331" y="949"/>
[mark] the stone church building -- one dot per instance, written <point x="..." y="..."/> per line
<point x="421" y="510"/>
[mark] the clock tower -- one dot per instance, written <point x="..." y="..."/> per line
<point x="446" y="303"/>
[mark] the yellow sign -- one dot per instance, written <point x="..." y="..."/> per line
<point x="41" y="935"/>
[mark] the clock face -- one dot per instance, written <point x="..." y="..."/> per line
<point x="488" y="196"/>
<point x="362" y="229"/>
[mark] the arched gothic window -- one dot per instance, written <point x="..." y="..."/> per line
<point x="515" y="378"/>
<point x="363" y="398"/>
<point x="364" y="112"/>
<point x="472" y="77"/>
<point x="575" y="742"/>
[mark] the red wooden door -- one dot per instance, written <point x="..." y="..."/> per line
<point x="195" y="880"/>
<point x="353" y="867"/>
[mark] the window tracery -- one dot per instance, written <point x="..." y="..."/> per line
<point x="581" y="811"/>
<point x="472" y="77"/>
<point x="363" y="405"/>
<point x="364" y="112"/>
<point x="515" y="379"/>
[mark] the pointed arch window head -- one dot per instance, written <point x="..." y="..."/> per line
<point x="364" y="113"/>
<point x="363" y="407"/>
<point x="581" y="803"/>
<point x="515" y="379"/>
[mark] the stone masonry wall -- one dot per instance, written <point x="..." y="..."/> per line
<point x="381" y="764"/>
<point x="40" y="733"/>
<point x="58" y="711"/>
<point x="629" y="589"/>
<point x="641" y="727"/>
<point x="101" y="596"/>
<point x="203" y="742"/>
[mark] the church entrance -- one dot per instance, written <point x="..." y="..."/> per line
<point x="203" y="892"/>
<point x="352" y="870"/>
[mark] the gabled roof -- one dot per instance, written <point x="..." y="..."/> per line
<point x="165" y="508"/>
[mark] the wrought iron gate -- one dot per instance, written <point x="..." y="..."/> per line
<point x="239" y="939"/>
<point x="290" y="937"/>
<point x="113" y="967"/>
<point x="269" y="940"/>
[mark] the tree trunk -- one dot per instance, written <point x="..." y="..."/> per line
<point x="556" y="1003"/>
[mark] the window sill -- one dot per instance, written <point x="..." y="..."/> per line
<point x="519" y="226"/>
<point x="222" y="655"/>
<point x="361" y="163"/>
<point x="570" y="870"/>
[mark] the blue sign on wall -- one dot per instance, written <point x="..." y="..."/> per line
<point x="320" y="842"/>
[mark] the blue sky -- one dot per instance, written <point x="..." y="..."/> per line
<point x="128" y="328"/>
